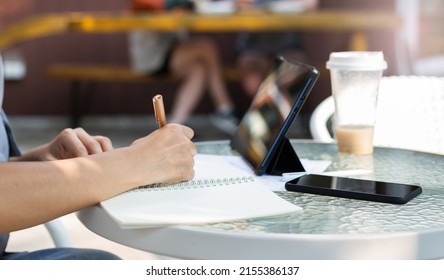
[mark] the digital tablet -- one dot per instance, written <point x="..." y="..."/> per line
<point x="261" y="135"/>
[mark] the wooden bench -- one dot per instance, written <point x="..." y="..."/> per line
<point x="83" y="79"/>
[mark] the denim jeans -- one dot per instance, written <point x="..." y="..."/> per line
<point x="61" y="254"/>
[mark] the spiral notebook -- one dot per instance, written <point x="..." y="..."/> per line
<point x="219" y="192"/>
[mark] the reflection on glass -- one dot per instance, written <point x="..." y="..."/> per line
<point x="356" y="185"/>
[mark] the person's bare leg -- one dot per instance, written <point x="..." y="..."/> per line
<point x="189" y="93"/>
<point x="203" y="51"/>
<point x="253" y="66"/>
<point x="216" y="85"/>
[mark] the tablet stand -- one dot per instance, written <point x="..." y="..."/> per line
<point x="284" y="160"/>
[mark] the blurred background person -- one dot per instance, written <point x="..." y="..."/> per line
<point x="257" y="50"/>
<point x="194" y="60"/>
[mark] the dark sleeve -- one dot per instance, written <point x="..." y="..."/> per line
<point x="3" y="242"/>
<point x="13" y="147"/>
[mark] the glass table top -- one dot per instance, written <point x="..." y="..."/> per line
<point x="331" y="215"/>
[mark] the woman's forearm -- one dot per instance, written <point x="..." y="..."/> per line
<point x="35" y="192"/>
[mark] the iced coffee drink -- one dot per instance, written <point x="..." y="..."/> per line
<point x="355" y="78"/>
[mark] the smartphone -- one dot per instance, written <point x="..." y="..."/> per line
<point x="377" y="191"/>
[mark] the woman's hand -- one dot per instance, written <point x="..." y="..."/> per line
<point x="166" y="155"/>
<point x="70" y="143"/>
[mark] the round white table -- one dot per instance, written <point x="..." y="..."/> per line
<point x="327" y="228"/>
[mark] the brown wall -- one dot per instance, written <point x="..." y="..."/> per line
<point x="38" y="95"/>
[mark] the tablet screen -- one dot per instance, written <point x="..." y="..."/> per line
<point x="272" y="111"/>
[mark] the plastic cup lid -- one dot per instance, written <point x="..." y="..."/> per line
<point x="355" y="60"/>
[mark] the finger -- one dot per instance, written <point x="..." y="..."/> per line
<point x="89" y="142"/>
<point x="189" y="133"/>
<point x="71" y="145"/>
<point x="179" y="128"/>
<point x="193" y="149"/>
<point x="104" y="142"/>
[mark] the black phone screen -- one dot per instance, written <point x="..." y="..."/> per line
<point x="272" y="111"/>
<point x="354" y="188"/>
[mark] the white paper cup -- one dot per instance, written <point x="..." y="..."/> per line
<point x="355" y="78"/>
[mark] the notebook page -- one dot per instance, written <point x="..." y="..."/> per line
<point x="193" y="204"/>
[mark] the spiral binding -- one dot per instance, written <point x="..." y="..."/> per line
<point x="193" y="184"/>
